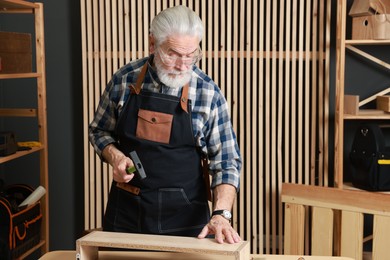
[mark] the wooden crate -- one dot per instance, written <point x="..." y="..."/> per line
<point x="383" y="103"/>
<point x="15" y="52"/>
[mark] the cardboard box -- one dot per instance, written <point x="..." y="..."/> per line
<point x="15" y="52"/>
<point x="383" y="103"/>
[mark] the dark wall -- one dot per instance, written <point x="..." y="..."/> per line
<point x="64" y="118"/>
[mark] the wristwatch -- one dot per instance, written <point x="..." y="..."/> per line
<point x="224" y="213"/>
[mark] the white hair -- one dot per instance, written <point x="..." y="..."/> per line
<point x="178" y="20"/>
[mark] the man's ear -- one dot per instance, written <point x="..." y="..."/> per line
<point x="152" y="44"/>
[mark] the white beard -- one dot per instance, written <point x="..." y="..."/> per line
<point x="172" y="79"/>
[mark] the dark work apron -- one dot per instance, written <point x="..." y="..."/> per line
<point x="172" y="199"/>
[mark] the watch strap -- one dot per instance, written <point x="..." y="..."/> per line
<point x="222" y="212"/>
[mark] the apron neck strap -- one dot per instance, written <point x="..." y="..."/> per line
<point x="138" y="85"/>
<point x="184" y="98"/>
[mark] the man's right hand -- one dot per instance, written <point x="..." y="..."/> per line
<point x="119" y="163"/>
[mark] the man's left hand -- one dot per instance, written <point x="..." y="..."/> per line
<point x="222" y="229"/>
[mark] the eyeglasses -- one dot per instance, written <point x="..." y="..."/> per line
<point x="172" y="58"/>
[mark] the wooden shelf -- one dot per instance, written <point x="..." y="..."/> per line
<point x="367" y="42"/>
<point x="341" y="117"/>
<point x="15" y="6"/>
<point x="19" y="154"/>
<point x="368" y="114"/>
<point x="32" y="250"/>
<point x="33" y="10"/>
<point x="20" y="75"/>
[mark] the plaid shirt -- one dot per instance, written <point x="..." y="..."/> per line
<point x="212" y="127"/>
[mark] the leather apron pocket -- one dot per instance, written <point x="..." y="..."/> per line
<point x="154" y="126"/>
<point x="176" y="212"/>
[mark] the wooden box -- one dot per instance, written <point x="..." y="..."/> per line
<point x="383" y="103"/>
<point x="15" y="52"/>
<point x="369" y="7"/>
<point x="370" y="19"/>
<point x="371" y="27"/>
<point x="351" y="104"/>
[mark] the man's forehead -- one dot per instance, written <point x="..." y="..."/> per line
<point x="182" y="45"/>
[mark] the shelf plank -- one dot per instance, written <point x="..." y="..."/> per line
<point x="17" y="6"/>
<point x="20" y="154"/>
<point x="20" y="75"/>
<point x="31" y="250"/>
<point x="18" y="112"/>
<point x="367" y="42"/>
<point x="368" y="114"/>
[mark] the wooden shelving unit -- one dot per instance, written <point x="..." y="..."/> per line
<point x="342" y="44"/>
<point x="36" y="9"/>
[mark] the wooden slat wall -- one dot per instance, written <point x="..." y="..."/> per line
<point x="271" y="60"/>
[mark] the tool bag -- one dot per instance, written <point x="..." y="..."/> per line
<point x="20" y="228"/>
<point x="370" y="159"/>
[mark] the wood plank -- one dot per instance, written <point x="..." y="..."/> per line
<point x="381" y="237"/>
<point x="19" y="154"/>
<point x="274" y="127"/>
<point x="293" y="88"/>
<point x="18" y="112"/>
<point x="355" y="201"/>
<point x="101" y="183"/>
<point x="299" y="100"/>
<point x="369" y="56"/>
<point x="287" y="94"/>
<point x="20" y="75"/>
<point x="121" y="56"/>
<point x="127" y="32"/>
<point x="320" y="95"/>
<point x="257" y="202"/>
<point x="117" y="255"/>
<point x="314" y="93"/>
<point x="373" y="97"/>
<point x="294" y="229"/>
<point x="267" y="123"/>
<point x="340" y="77"/>
<point x="322" y="232"/>
<point x="309" y="170"/>
<point x="85" y="110"/>
<point x="96" y="79"/>
<point x="326" y="80"/>
<point x="17" y="6"/>
<point x="352" y="235"/>
<point x="88" y="74"/>
<point x="88" y="245"/>
<point x="279" y="122"/>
